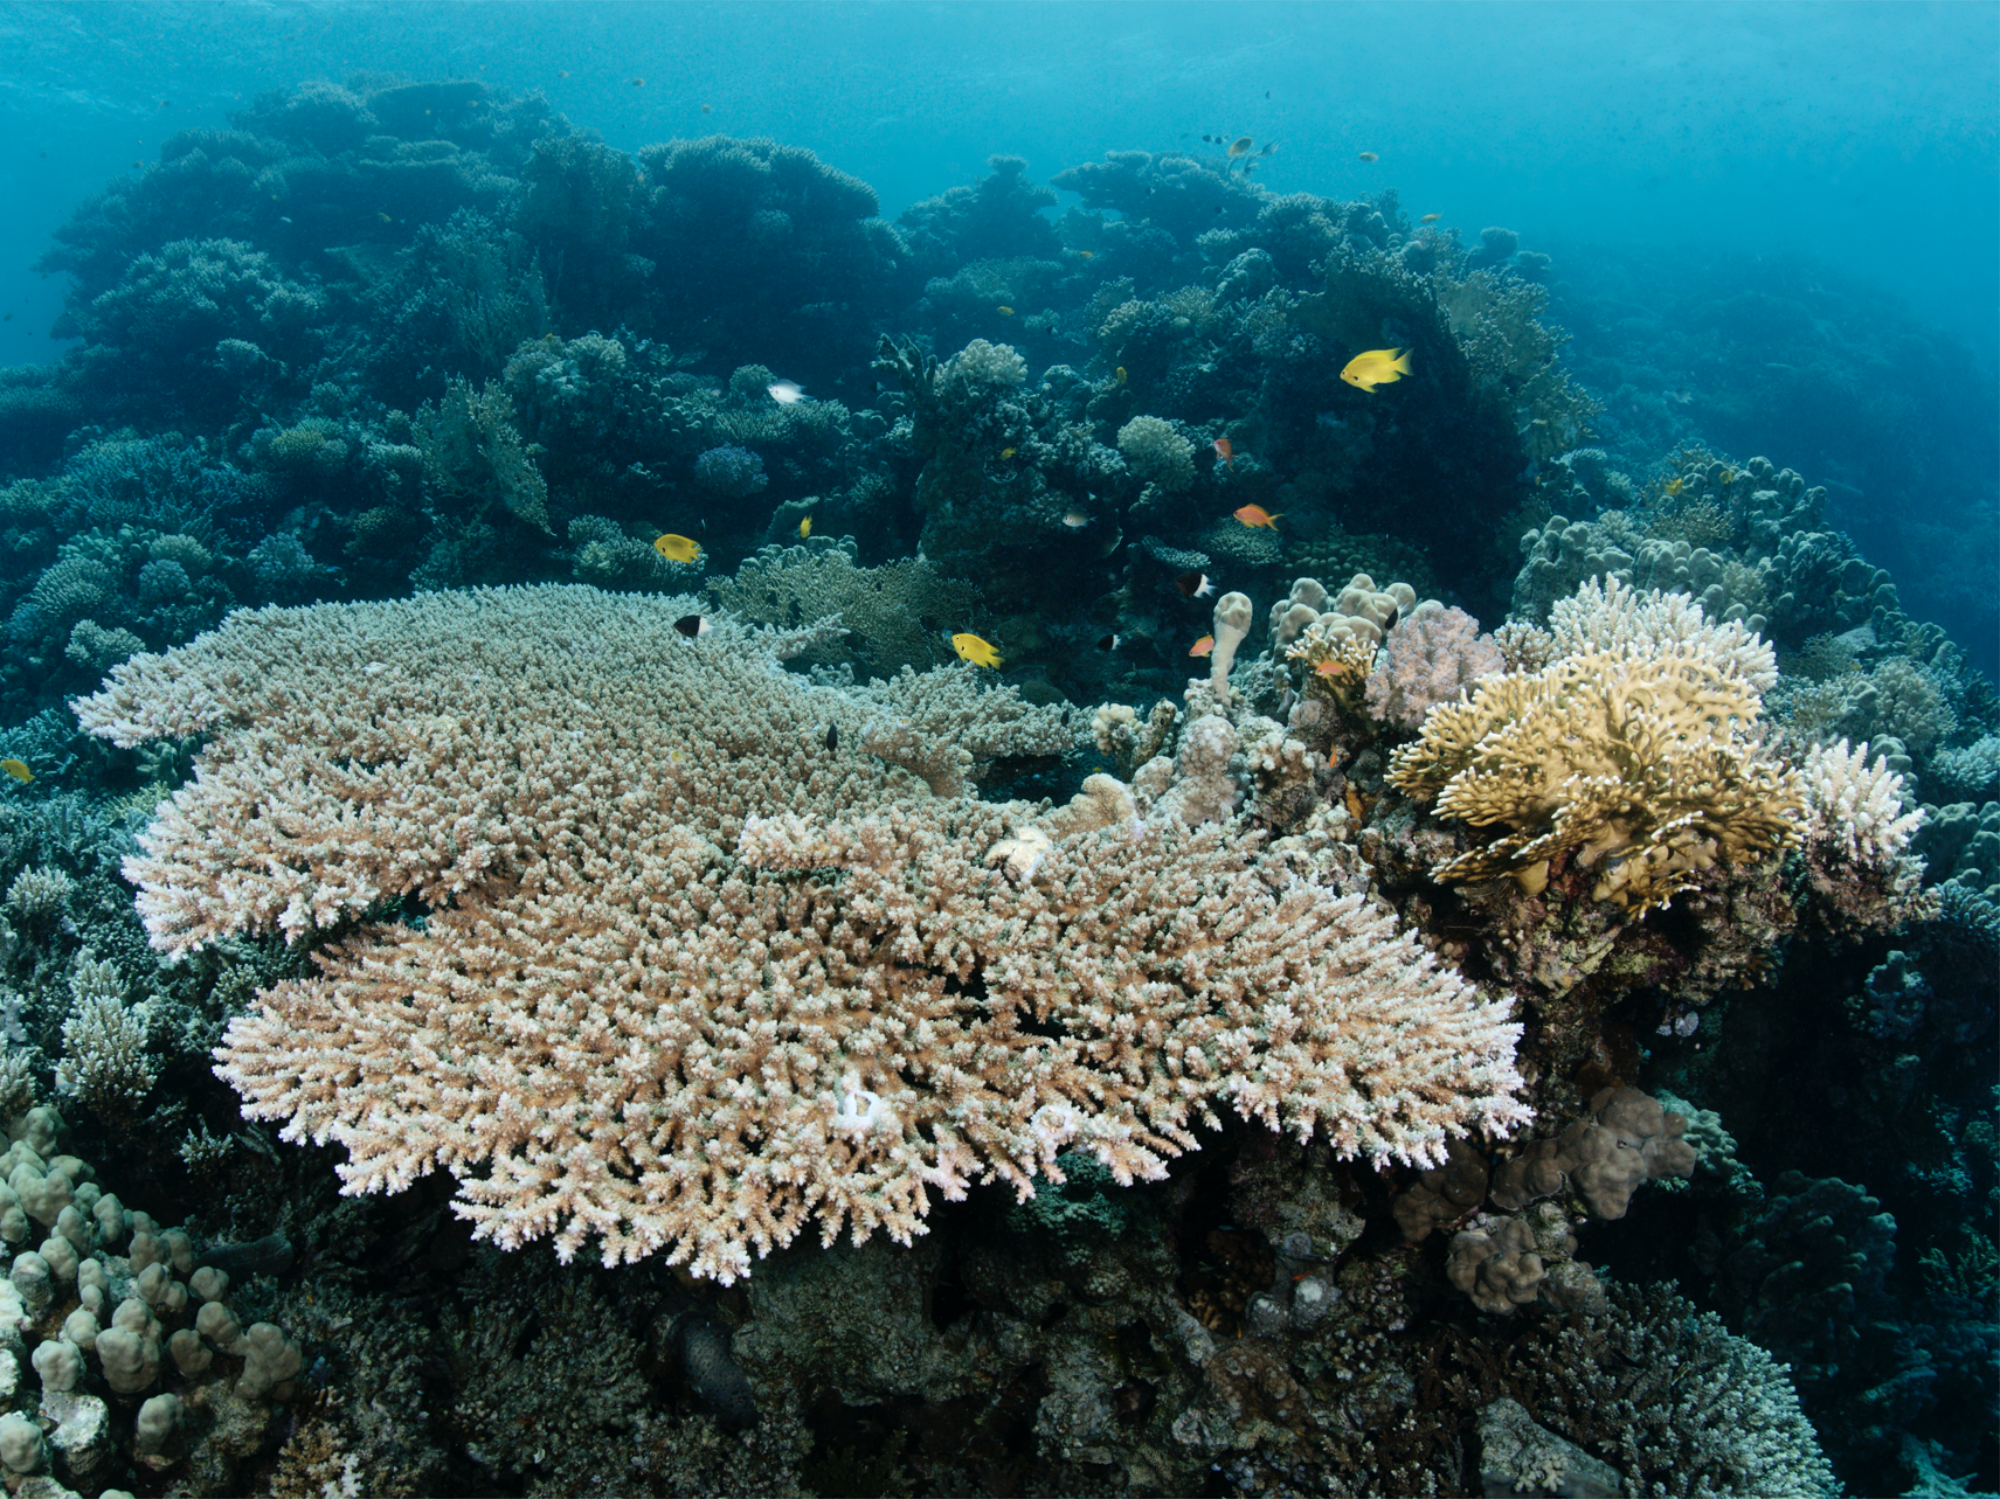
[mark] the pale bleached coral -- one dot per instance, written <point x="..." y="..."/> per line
<point x="1857" y="839"/>
<point x="1232" y="624"/>
<point x="1609" y="616"/>
<point x="689" y="978"/>
<point x="1643" y="770"/>
<point x="1431" y="656"/>
<point x="1854" y="810"/>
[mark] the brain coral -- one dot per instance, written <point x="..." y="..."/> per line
<point x="688" y="976"/>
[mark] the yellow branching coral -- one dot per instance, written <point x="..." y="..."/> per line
<point x="1641" y="767"/>
<point x="697" y="967"/>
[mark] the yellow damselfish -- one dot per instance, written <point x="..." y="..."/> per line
<point x="972" y="648"/>
<point x="805" y="528"/>
<point x="1121" y="374"/>
<point x="1008" y="452"/>
<point x="677" y="548"/>
<point x="18" y="769"/>
<point x="1376" y="367"/>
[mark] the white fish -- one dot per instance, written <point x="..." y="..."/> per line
<point x="786" y="392"/>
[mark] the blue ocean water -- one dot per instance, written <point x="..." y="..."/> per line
<point x="325" y="301"/>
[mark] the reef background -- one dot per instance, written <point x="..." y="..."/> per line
<point x="384" y="303"/>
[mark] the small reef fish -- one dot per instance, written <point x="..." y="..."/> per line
<point x="638" y="83"/>
<point x="1111" y="642"/>
<point x="785" y="392"/>
<point x="1004" y="311"/>
<point x="1673" y="486"/>
<point x="18" y="769"/>
<point x="1226" y="451"/>
<point x="1008" y="452"/>
<point x="1076" y="520"/>
<point x="383" y="217"/>
<point x="971" y="648"/>
<point x="805" y="528"/>
<point x="1727" y="475"/>
<point x="677" y="548"/>
<point x="708" y="109"/>
<point x="1194" y="585"/>
<point x="1369" y="156"/>
<point x="1326" y="668"/>
<point x="832" y="738"/>
<point x="694" y="626"/>
<point x="1086" y="254"/>
<point x="1376" y="367"/>
<point x="1430" y="218"/>
<point x="1240" y="146"/>
<point x="1120" y="373"/>
<point x="1257" y="515"/>
<point x="1202" y="646"/>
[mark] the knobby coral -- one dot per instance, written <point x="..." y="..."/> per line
<point x="685" y="976"/>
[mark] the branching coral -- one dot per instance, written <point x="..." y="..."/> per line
<point x="689" y="977"/>
<point x="1640" y="768"/>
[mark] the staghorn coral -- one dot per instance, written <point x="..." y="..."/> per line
<point x="687" y="979"/>
<point x="1643" y="766"/>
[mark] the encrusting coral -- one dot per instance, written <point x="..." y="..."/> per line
<point x="686" y="975"/>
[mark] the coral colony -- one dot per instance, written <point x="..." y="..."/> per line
<point x="701" y="843"/>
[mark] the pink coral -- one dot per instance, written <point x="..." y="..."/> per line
<point x="1429" y="658"/>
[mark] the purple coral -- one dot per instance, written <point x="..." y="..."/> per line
<point x="1429" y="658"/>
<point x="731" y="472"/>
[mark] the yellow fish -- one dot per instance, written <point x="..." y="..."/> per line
<point x="805" y="528"/>
<point x="971" y="648"/>
<point x="1376" y="367"/>
<point x="1728" y="474"/>
<point x="1008" y="452"/>
<point x="18" y="769"/>
<point x="677" y="548"/>
<point x="1674" y="487"/>
<point x="1430" y="218"/>
<point x="1120" y="372"/>
<point x="1004" y="311"/>
<point x="1086" y="254"/>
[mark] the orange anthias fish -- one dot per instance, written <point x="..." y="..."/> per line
<point x="1326" y="668"/>
<point x="1257" y="515"/>
<point x="1226" y="452"/>
<point x="1202" y="646"/>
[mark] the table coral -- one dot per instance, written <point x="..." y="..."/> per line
<point x="685" y="978"/>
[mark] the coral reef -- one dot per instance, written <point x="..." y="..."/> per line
<point x="668" y="921"/>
